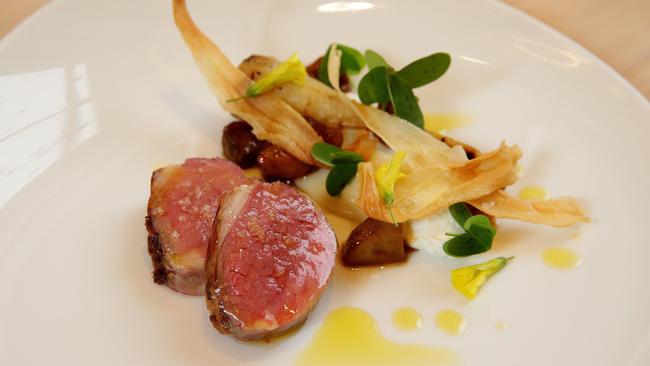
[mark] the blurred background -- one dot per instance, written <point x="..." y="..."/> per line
<point x="617" y="31"/>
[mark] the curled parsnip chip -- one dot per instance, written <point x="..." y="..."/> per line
<point x="334" y="66"/>
<point x="430" y="189"/>
<point x="271" y="117"/>
<point x="560" y="212"/>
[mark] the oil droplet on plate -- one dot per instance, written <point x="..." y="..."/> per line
<point x="450" y="322"/>
<point x="444" y="122"/>
<point x="407" y="319"/>
<point x="532" y="193"/>
<point x="560" y="258"/>
<point x="350" y="337"/>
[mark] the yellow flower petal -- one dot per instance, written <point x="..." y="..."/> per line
<point x="290" y="71"/>
<point x="468" y="280"/>
<point x="387" y="175"/>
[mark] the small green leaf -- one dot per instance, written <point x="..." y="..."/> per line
<point x="425" y="70"/>
<point x="352" y="61"/>
<point x="460" y="212"/>
<point x="464" y="245"/>
<point x="323" y="75"/>
<point x="480" y="227"/>
<point x="373" y="87"/>
<point x="339" y="177"/>
<point x="324" y="153"/>
<point x="477" y="238"/>
<point x="405" y="104"/>
<point x="346" y="157"/>
<point x="373" y="59"/>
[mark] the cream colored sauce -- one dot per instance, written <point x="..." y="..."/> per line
<point x="429" y="233"/>
<point x="502" y="325"/>
<point x="344" y="205"/>
<point x="560" y="258"/>
<point x="342" y="227"/>
<point x="450" y="322"/>
<point x="407" y="319"/>
<point x="350" y="337"/>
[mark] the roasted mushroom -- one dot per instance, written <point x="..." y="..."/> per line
<point x="277" y="164"/>
<point x="374" y="242"/>
<point x="240" y="145"/>
<point x="330" y="135"/>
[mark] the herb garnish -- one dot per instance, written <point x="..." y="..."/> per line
<point x="343" y="163"/>
<point x="383" y="85"/>
<point x="477" y="237"/>
<point x="468" y="280"/>
<point x="352" y="62"/>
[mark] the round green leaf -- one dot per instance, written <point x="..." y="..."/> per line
<point x="352" y="61"/>
<point x="405" y="104"/>
<point x="460" y="212"/>
<point x="346" y="157"/>
<point x="425" y="70"/>
<point x="324" y="153"/>
<point x="373" y="87"/>
<point x="373" y="59"/>
<point x="464" y="245"/>
<point x="323" y="75"/>
<point x="339" y="177"/>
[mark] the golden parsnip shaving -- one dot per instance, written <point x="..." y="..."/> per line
<point x="558" y="212"/>
<point x="271" y="117"/>
<point x="433" y="188"/>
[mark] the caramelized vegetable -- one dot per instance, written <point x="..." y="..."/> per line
<point x="277" y="164"/>
<point x="330" y="135"/>
<point x="374" y="243"/>
<point x="240" y="145"/>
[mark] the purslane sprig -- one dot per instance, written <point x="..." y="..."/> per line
<point x="477" y="237"/>
<point x="383" y="85"/>
<point x="343" y="163"/>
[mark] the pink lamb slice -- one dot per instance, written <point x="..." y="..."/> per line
<point x="182" y="206"/>
<point x="269" y="261"/>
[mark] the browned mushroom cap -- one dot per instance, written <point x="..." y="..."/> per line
<point x="277" y="164"/>
<point x="374" y="242"/>
<point x="240" y="145"/>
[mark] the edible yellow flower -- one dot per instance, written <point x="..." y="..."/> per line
<point x="386" y="176"/>
<point x="468" y="280"/>
<point x="290" y="71"/>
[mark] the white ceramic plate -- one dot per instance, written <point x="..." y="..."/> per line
<point x="96" y="94"/>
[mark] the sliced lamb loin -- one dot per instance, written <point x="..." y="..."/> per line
<point x="183" y="203"/>
<point x="269" y="260"/>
